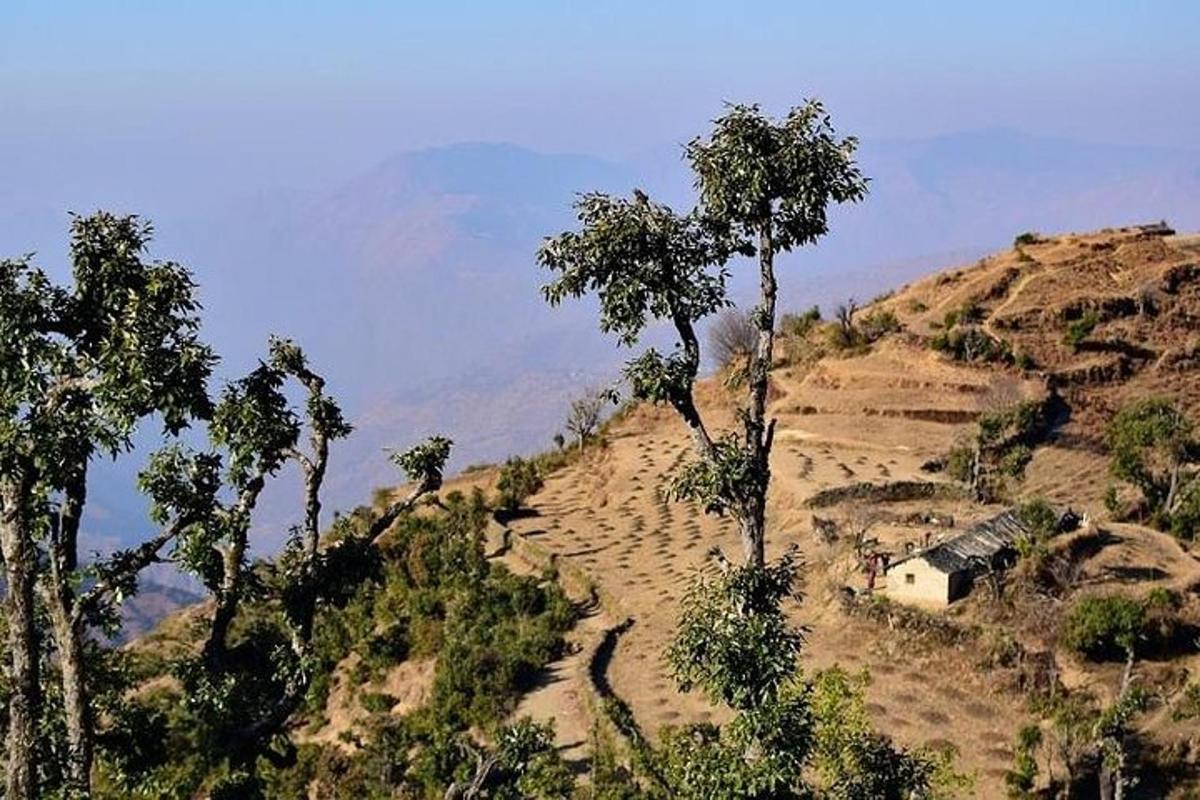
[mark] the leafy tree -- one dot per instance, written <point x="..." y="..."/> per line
<point x="853" y="762"/>
<point x="524" y="766"/>
<point x="1104" y="626"/>
<point x="1153" y="446"/>
<point x="764" y="187"/>
<point x="1112" y="733"/>
<point x="1041" y="520"/>
<point x="1001" y="448"/>
<point x="79" y="368"/>
<point x="736" y="645"/>
<point x="243" y="694"/>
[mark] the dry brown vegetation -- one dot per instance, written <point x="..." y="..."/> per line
<point x="878" y="418"/>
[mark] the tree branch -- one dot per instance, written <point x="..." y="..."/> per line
<point x="125" y="565"/>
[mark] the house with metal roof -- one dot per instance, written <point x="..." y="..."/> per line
<point x="946" y="570"/>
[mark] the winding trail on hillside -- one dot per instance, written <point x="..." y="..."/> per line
<point x="1010" y="298"/>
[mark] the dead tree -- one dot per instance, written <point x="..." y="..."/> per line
<point x="583" y="419"/>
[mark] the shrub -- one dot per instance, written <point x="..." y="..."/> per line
<point x="377" y="702"/>
<point x="1188" y="705"/>
<point x="1080" y="329"/>
<point x="1025" y="361"/>
<point x="1104" y="627"/>
<point x="519" y="479"/>
<point x="1185" y="520"/>
<point x="1022" y="778"/>
<point x="1026" y="238"/>
<point x="799" y="325"/>
<point x="959" y="462"/>
<point x="878" y="324"/>
<point x="1040" y="518"/>
<point x="970" y="313"/>
<point x="971" y="344"/>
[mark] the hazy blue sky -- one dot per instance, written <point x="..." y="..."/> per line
<point x="341" y="84"/>
<point x="225" y="121"/>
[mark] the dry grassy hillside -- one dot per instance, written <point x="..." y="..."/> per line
<point x="878" y="417"/>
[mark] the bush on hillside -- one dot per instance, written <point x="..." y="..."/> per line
<point x="799" y="325"/>
<point x="519" y="479"/>
<point x="877" y="324"/>
<point x="1105" y="627"/>
<point x="972" y="345"/>
<point x="1080" y="329"/>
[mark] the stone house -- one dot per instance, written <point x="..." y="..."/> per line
<point x="945" y="571"/>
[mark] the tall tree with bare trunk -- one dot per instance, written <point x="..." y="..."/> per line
<point x="764" y="189"/>
<point x="79" y="369"/>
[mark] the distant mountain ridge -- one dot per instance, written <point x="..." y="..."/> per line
<point x="413" y="285"/>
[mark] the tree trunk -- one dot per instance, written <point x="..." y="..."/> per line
<point x="69" y="635"/>
<point x="758" y="431"/>
<point x="227" y="597"/>
<point x="229" y="594"/>
<point x="77" y="707"/>
<point x="20" y="567"/>
<point x="1107" y="783"/>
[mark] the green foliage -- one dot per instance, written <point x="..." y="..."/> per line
<point x="1153" y="445"/>
<point x="1184" y="521"/>
<point x="959" y="461"/>
<point x="660" y="379"/>
<point x="1104" y="626"/>
<point x="1042" y="521"/>
<point x="519" y="479"/>
<point x="704" y="761"/>
<point x="1080" y="329"/>
<point x="853" y="762"/>
<point x="1022" y="778"/>
<point x="427" y="591"/>
<point x="799" y="325"/>
<point x="255" y="423"/>
<point x="424" y="463"/>
<point x="734" y="641"/>
<point x="1003" y="447"/>
<point x="753" y="171"/>
<point x="644" y="261"/>
<point x="528" y="763"/>
<point x="972" y="344"/>
<point x="877" y="324"/>
<point x="1027" y="238"/>
<point x="723" y="483"/>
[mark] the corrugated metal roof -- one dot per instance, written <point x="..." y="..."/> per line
<point x="983" y="540"/>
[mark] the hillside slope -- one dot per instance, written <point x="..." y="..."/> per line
<point x="860" y="436"/>
<point x="878" y="418"/>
